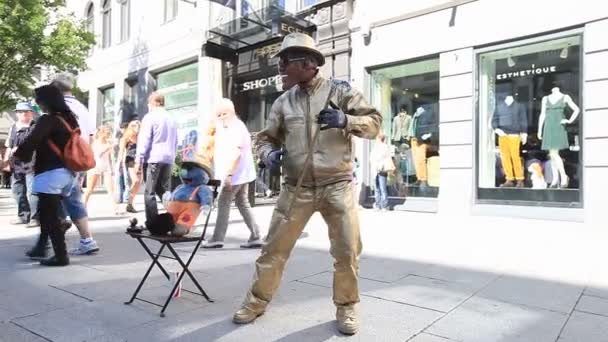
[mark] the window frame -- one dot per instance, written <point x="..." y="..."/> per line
<point x="166" y="5"/>
<point x="477" y="124"/>
<point x="125" y="20"/>
<point x="106" y="21"/>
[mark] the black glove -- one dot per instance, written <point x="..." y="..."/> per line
<point x="332" y="118"/>
<point x="273" y="160"/>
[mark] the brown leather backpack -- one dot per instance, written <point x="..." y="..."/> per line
<point x="77" y="153"/>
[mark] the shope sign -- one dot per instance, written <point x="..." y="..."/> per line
<point x="533" y="70"/>
<point x="273" y="81"/>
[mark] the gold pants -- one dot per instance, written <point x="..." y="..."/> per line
<point x="419" y="155"/>
<point x="510" y="157"/>
<point x="337" y="207"/>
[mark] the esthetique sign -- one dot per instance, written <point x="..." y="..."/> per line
<point x="533" y="70"/>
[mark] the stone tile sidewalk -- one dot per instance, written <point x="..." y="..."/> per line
<point x="423" y="278"/>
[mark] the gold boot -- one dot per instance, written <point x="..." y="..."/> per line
<point x="348" y="320"/>
<point x="251" y="309"/>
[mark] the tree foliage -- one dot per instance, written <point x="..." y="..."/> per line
<point x="34" y="35"/>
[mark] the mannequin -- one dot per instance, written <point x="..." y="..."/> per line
<point x="552" y="130"/>
<point x="401" y="126"/>
<point x="420" y="132"/>
<point x="510" y="123"/>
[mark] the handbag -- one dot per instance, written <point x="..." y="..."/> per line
<point x="388" y="165"/>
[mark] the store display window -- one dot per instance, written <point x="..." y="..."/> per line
<point x="529" y="119"/>
<point x="407" y="95"/>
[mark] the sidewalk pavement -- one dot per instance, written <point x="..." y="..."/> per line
<point x="424" y="278"/>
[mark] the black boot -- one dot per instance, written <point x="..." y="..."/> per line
<point x="40" y="250"/>
<point x="61" y="254"/>
<point x="50" y="221"/>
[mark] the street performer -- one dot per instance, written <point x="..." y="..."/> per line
<point x="308" y="133"/>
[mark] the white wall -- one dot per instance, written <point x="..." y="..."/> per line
<point x="153" y="45"/>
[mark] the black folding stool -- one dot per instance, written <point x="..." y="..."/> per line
<point x="168" y="241"/>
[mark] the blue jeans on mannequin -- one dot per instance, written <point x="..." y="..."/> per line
<point x="381" y="191"/>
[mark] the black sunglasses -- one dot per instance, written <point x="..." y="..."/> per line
<point x="286" y="60"/>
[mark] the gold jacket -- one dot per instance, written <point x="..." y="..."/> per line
<point x="292" y="123"/>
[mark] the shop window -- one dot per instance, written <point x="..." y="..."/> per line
<point x="125" y="20"/>
<point x="107" y="106"/>
<point x="180" y="88"/>
<point x="529" y="146"/>
<point x="407" y="95"/>
<point x="106" y="35"/>
<point x="169" y="10"/>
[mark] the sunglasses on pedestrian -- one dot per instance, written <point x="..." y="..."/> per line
<point x="285" y="60"/>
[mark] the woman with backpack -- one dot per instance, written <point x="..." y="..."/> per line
<point x="53" y="180"/>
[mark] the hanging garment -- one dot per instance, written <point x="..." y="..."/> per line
<point x="555" y="136"/>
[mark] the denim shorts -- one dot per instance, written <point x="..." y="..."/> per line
<point x="65" y="183"/>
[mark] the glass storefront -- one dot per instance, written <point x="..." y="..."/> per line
<point x="253" y="98"/>
<point x="107" y="115"/>
<point x="529" y="139"/>
<point x="407" y="95"/>
<point x="180" y="87"/>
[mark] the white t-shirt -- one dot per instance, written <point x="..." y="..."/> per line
<point x="229" y="141"/>
<point x="86" y="121"/>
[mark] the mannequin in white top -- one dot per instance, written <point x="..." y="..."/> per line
<point x="552" y="130"/>
<point x="401" y="126"/>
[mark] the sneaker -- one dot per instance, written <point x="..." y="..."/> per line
<point x="129" y="208"/>
<point x="17" y="222"/>
<point x="257" y="243"/>
<point x="33" y="224"/>
<point x="213" y="244"/>
<point x="85" y="248"/>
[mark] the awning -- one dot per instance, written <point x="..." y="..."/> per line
<point x="255" y="28"/>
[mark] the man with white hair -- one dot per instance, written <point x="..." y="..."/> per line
<point x="233" y="162"/>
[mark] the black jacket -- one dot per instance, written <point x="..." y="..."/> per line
<point x="511" y="119"/>
<point x="48" y="127"/>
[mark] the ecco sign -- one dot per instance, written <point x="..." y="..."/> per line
<point x="262" y="83"/>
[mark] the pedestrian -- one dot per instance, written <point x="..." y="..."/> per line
<point x="308" y="132"/>
<point x="53" y="181"/>
<point x="23" y="172"/>
<point x="382" y="164"/>
<point x="126" y="158"/>
<point x="233" y="165"/>
<point x="155" y="155"/>
<point x="73" y="204"/>
<point x="102" y="150"/>
<point x="122" y="193"/>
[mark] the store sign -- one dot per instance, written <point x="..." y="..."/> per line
<point x="286" y="28"/>
<point x="267" y="51"/>
<point x="272" y="81"/>
<point x="533" y="70"/>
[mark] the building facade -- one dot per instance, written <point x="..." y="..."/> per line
<point x="491" y="110"/>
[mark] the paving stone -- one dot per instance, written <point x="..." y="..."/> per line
<point x="301" y="312"/>
<point x="454" y="274"/>
<point x="424" y="337"/>
<point x="30" y="300"/>
<point x="583" y="327"/>
<point x="483" y="320"/>
<point x="597" y="291"/>
<point x="424" y="292"/>
<point x="534" y="292"/>
<point x="326" y="279"/>
<point x="594" y="305"/>
<point x="9" y="332"/>
<point x="385" y="270"/>
<point x="86" y="321"/>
